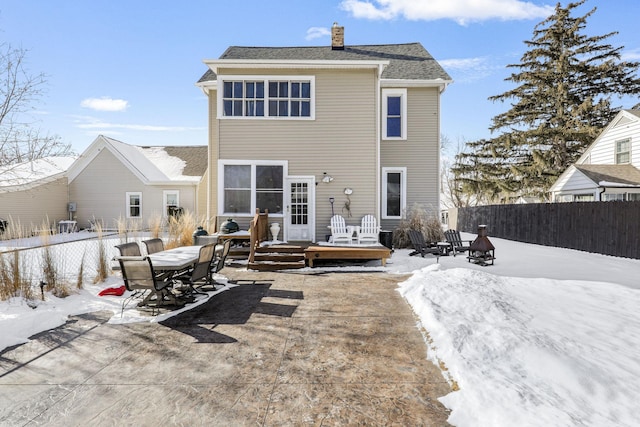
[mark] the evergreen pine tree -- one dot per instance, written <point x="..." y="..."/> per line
<point x="561" y="102"/>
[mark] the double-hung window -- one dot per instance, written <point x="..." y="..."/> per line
<point x="134" y="204"/>
<point x="623" y="151"/>
<point x="171" y="202"/>
<point x="394" y="114"/>
<point x="394" y="192"/>
<point x="252" y="184"/>
<point x="267" y="97"/>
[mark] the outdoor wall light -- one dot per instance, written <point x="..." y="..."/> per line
<point x="327" y="178"/>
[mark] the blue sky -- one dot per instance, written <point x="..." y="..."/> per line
<point x="127" y="69"/>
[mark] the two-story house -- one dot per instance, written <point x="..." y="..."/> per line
<point x="307" y="132"/>
<point x="609" y="168"/>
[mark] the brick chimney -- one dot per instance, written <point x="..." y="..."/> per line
<point x="337" y="37"/>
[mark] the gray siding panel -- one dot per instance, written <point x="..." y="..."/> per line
<point x="340" y="141"/>
<point x="100" y="191"/>
<point x="43" y="204"/>
<point x="420" y="153"/>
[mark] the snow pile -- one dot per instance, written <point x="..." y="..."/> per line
<point x="532" y="351"/>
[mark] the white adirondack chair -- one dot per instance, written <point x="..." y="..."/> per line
<point x="369" y="230"/>
<point x="339" y="232"/>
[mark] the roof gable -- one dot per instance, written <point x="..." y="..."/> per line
<point x="623" y="118"/>
<point x="152" y="165"/>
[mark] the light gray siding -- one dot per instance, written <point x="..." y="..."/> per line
<point x="99" y="191"/>
<point x="419" y="153"/>
<point x="341" y="141"/>
<point x="31" y="208"/>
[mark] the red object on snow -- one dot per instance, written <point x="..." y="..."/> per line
<point x="113" y="291"/>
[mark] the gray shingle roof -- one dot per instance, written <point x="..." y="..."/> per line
<point x="622" y="174"/>
<point x="407" y="61"/>
<point x="195" y="158"/>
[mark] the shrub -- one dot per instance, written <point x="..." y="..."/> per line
<point x="418" y="218"/>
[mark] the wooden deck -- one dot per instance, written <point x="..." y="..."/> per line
<point x="313" y="253"/>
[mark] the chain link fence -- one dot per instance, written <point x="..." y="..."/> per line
<point x="72" y="263"/>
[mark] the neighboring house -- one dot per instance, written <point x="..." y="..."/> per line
<point x="34" y="194"/>
<point x="113" y="181"/>
<point x="522" y="200"/>
<point x="309" y="131"/>
<point x="609" y="168"/>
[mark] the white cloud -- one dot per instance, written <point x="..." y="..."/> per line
<point x="466" y="70"/>
<point x="317" y="32"/>
<point x="105" y="104"/>
<point x="631" y="55"/>
<point x="91" y="123"/>
<point x="461" y="11"/>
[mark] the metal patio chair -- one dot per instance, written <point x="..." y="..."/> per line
<point x="200" y="274"/>
<point x="139" y="278"/>
<point x="154" y="245"/>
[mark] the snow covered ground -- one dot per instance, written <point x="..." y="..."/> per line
<point x="546" y="336"/>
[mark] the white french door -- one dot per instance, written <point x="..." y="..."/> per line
<point x="300" y="223"/>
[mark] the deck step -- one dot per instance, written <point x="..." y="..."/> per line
<point x="288" y="249"/>
<point x="275" y="266"/>
<point x="279" y="257"/>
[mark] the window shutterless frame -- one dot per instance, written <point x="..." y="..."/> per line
<point x="134" y="204"/>
<point x="394" y="192"/>
<point x="250" y="184"/>
<point x="394" y="114"/>
<point x="250" y="97"/>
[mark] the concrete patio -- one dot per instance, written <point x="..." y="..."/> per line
<point x="293" y="349"/>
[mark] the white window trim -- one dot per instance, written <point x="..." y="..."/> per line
<point x="403" y="105"/>
<point x="403" y="191"/>
<point x="253" y="163"/>
<point x="128" y="203"/>
<point x="616" y="152"/>
<point x="265" y="79"/>
<point x="166" y="193"/>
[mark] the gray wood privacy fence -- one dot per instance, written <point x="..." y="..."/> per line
<point x="610" y="228"/>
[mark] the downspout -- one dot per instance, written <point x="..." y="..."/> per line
<point x="601" y="193"/>
<point x="378" y="140"/>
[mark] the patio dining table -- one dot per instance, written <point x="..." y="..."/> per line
<point x="176" y="259"/>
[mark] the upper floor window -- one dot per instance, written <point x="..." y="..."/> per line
<point x="623" y="151"/>
<point x="289" y="98"/>
<point x="243" y="98"/>
<point x="394" y="114"/>
<point x="269" y="97"/>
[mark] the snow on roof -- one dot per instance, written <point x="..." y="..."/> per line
<point x="171" y="166"/>
<point x="36" y="170"/>
<point x="154" y="163"/>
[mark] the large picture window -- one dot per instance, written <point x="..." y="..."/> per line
<point x="266" y="97"/>
<point x="134" y="204"/>
<point x="394" y="188"/>
<point x="252" y="185"/>
<point x="394" y="114"/>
